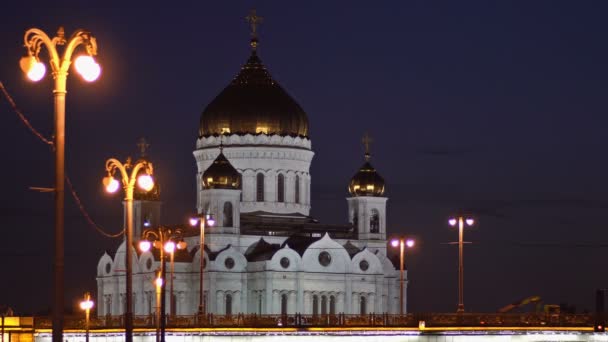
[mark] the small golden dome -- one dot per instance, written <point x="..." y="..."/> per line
<point x="366" y="182"/>
<point x="221" y="175"/>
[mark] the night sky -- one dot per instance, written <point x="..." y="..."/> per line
<point x="495" y="107"/>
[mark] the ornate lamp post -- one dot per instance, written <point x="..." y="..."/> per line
<point x="145" y="182"/>
<point x="158" y="283"/>
<point x="85" y="65"/>
<point x="461" y="221"/>
<point x="200" y="219"/>
<point x="87" y="305"/>
<point x="401" y="242"/>
<point x="164" y="239"/>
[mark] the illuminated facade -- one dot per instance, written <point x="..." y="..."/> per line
<point x="265" y="254"/>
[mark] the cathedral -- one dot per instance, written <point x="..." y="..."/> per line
<point x="265" y="254"/>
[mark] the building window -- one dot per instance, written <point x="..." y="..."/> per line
<point x="281" y="188"/>
<point x="260" y="188"/>
<point x="315" y="305"/>
<point x="332" y="305"/>
<point x="356" y="219"/>
<point x="284" y="304"/>
<point x="324" y="258"/>
<point x="374" y="222"/>
<point x="297" y="189"/>
<point x="228" y="304"/>
<point x="323" y="305"/>
<point x="227" y="214"/>
<point x="260" y="299"/>
<point x="363" y="302"/>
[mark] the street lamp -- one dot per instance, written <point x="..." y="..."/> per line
<point x="30" y="64"/>
<point x="158" y="283"/>
<point x="164" y="239"/>
<point x="460" y="221"/>
<point x="401" y="242"/>
<point x="200" y="219"/>
<point x="144" y="181"/>
<point x="86" y="305"/>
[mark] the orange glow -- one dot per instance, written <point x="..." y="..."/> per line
<point x="170" y="247"/>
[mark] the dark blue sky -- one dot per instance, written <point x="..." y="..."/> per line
<point x="497" y="107"/>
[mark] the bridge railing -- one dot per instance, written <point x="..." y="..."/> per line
<point x="429" y="320"/>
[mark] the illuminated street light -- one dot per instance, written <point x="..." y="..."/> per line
<point x="87" y="305"/>
<point x="35" y="70"/>
<point x="128" y="184"/>
<point x="200" y="219"/>
<point x="401" y="242"/>
<point x="158" y="283"/>
<point x="163" y="239"/>
<point x="461" y="221"/>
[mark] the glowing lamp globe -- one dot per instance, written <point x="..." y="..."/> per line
<point x="452" y="222"/>
<point x="87" y="68"/>
<point x="395" y="242"/>
<point x="33" y="69"/>
<point x="170" y="247"/>
<point x="158" y="282"/>
<point x="182" y="245"/>
<point x="145" y="182"/>
<point x="210" y="221"/>
<point x="110" y="184"/>
<point x="86" y="304"/>
<point x="193" y="221"/>
<point x="470" y="221"/>
<point x="409" y="243"/>
<point x="144" y="245"/>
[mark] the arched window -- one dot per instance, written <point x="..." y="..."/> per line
<point x="228" y="304"/>
<point x="323" y="305"/>
<point x="281" y="188"/>
<point x="315" y="305"/>
<point x="297" y="188"/>
<point x="332" y="305"/>
<point x="227" y="214"/>
<point x="363" y="302"/>
<point x="284" y="304"/>
<point x="374" y="222"/>
<point x="260" y="188"/>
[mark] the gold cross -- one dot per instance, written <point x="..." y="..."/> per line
<point x="366" y="142"/>
<point x="254" y="21"/>
<point x="143" y="145"/>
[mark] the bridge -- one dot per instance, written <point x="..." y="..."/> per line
<point x="436" y="327"/>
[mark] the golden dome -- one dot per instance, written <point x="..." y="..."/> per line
<point x="221" y="175"/>
<point x="253" y="103"/>
<point x="366" y="182"/>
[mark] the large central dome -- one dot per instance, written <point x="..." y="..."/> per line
<point x="253" y="103"/>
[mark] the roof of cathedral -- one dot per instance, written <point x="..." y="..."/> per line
<point x="261" y="250"/>
<point x="263" y="223"/>
<point x="351" y="249"/>
<point x="253" y="103"/>
<point x="300" y="243"/>
<point x="221" y="174"/>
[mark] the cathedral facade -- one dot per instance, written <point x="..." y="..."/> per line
<point x="265" y="254"/>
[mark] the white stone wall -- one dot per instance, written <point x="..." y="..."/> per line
<point x="268" y="155"/>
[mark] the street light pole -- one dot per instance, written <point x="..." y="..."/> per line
<point x="145" y="182"/>
<point x="402" y="242"/>
<point x="200" y="219"/>
<point x="461" y="221"/>
<point x="34" y="40"/>
<point x="86" y="305"/>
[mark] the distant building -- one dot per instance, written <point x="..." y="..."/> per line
<point x="265" y="254"/>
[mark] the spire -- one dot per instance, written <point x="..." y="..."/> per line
<point x="367" y="140"/>
<point x="254" y="21"/>
<point x="143" y="145"/>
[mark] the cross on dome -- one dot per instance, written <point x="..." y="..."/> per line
<point x="254" y="20"/>
<point x="367" y="140"/>
<point x="143" y="146"/>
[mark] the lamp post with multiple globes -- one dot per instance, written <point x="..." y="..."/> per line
<point x="200" y="220"/>
<point x="87" y="305"/>
<point x="461" y="221"/>
<point x="166" y="240"/>
<point x="145" y="182"/>
<point x="86" y="66"/>
<point x="401" y="242"/>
